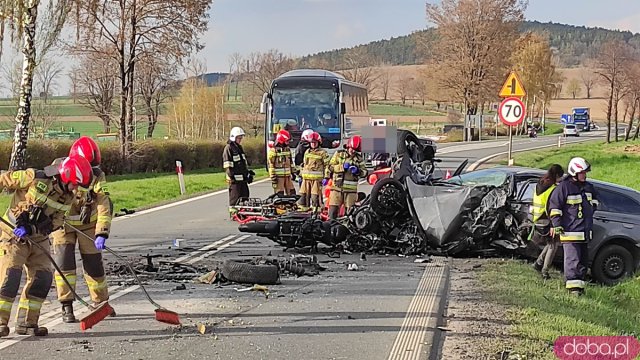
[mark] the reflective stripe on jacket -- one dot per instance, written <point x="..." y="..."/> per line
<point x="539" y="207"/>
<point x="315" y="164"/>
<point x="279" y="160"/>
<point x="344" y="180"/>
<point x="234" y="162"/>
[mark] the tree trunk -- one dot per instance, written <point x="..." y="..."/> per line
<point x="106" y="123"/>
<point x="630" y="123"/>
<point x="21" y="135"/>
<point x="616" y="101"/>
<point x="609" y="108"/>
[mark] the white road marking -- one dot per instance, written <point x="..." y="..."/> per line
<point x="51" y="324"/>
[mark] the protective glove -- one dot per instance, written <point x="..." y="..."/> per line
<point x="354" y="170"/>
<point x="21" y="231"/>
<point x="100" y="240"/>
<point x="300" y="181"/>
<point x="325" y="182"/>
<point x="249" y="179"/>
<point x="555" y="231"/>
<point x="252" y="173"/>
<point x="346" y="166"/>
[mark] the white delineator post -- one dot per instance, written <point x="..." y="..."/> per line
<point x="180" y="177"/>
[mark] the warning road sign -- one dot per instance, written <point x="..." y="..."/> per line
<point x="512" y="87"/>
<point x="511" y="111"/>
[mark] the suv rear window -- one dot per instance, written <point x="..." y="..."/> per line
<point x="618" y="203"/>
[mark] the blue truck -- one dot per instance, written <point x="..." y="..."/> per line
<point x="581" y="118"/>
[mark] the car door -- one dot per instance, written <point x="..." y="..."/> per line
<point x="523" y="197"/>
<point x="618" y="215"/>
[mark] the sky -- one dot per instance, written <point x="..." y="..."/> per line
<point x="301" y="27"/>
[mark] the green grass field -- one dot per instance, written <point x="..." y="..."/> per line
<point x="542" y="311"/>
<point x="609" y="162"/>
<point x="377" y="109"/>
<point x="142" y="190"/>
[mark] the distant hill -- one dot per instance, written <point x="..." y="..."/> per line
<point x="573" y="45"/>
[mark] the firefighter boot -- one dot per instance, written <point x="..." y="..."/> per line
<point x="34" y="330"/>
<point x="67" y="312"/>
<point x="4" y="330"/>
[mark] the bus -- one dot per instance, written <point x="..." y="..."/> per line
<point x="315" y="99"/>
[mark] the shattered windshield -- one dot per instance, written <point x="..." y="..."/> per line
<point x="480" y="177"/>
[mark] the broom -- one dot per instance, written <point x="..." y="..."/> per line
<point x="162" y="314"/>
<point x="96" y="314"/>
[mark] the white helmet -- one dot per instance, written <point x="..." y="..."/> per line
<point x="236" y="131"/>
<point x="577" y="165"/>
<point x="306" y="135"/>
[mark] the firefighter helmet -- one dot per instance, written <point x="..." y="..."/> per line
<point x="88" y="149"/>
<point x="235" y="132"/>
<point x="355" y="143"/>
<point x="75" y="170"/>
<point x="315" y="137"/>
<point x="283" y="137"/>
<point x="578" y="165"/>
<point x="306" y="135"/>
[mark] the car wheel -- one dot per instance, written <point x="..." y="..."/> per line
<point x="388" y="197"/>
<point x="612" y="264"/>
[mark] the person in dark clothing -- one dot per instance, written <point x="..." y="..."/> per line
<point x="541" y="233"/>
<point x="237" y="171"/>
<point x="571" y="208"/>
<point x="303" y="146"/>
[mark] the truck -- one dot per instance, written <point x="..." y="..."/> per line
<point x="581" y="118"/>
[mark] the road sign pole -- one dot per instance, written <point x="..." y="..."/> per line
<point x="510" y="145"/>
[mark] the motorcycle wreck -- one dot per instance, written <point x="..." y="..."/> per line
<point x="410" y="212"/>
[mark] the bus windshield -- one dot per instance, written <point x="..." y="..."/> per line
<point x="298" y="109"/>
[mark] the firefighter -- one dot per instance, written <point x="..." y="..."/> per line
<point x="281" y="165"/>
<point x="303" y="145"/>
<point x="571" y="208"/>
<point x="90" y="213"/>
<point x="37" y="208"/>
<point x="543" y="190"/>
<point x="315" y="174"/>
<point x="237" y="171"/>
<point x="347" y="167"/>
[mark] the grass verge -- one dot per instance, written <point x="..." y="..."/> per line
<point x="136" y="191"/>
<point x="616" y="163"/>
<point x="542" y="311"/>
<point x="399" y="110"/>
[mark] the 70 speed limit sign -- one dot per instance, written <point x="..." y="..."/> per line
<point x="511" y="111"/>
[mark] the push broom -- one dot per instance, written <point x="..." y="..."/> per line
<point x="162" y="314"/>
<point x="96" y="314"/>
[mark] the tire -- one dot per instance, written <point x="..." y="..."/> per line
<point x="403" y="137"/>
<point x="250" y="274"/>
<point x="381" y="208"/>
<point x="612" y="264"/>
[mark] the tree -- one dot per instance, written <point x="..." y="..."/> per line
<point x="420" y="88"/>
<point x="405" y="88"/>
<point x="588" y="80"/>
<point x="96" y="80"/>
<point x="385" y="83"/>
<point x="574" y="87"/>
<point x="46" y="75"/>
<point x="21" y="17"/>
<point x="473" y="38"/>
<point x="130" y="30"/>
<point x="155" y="77"/>
<point x="610" y="63"/>
<point x="262" y="68"/>
<point x="358" y="67"/>
<point x="11" y="76"/>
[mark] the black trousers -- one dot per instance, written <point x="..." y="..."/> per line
<point x="237" y="190"/>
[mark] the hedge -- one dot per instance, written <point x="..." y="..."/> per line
<point x="148" y="156"/>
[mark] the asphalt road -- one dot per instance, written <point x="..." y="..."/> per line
<point x="388" y="309"/>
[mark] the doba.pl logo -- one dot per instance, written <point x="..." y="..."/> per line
<point x="596" y="347"/>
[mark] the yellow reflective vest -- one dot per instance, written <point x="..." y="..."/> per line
<point x="539" y="207"/>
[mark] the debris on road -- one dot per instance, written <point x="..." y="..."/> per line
<point x="256" y="287"/>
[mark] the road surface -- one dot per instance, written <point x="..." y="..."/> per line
<point x="389" y="309"/>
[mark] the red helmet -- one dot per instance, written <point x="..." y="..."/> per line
<point x="75" y="170"/>
<point x="355" y="143"/>
<point x="315" y="137"/>
<point x="88" y="149"/>
<point x="283" y="137"/>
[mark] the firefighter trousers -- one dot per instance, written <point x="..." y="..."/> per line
<point x="310" y="194"/>
<point x="576" y="259"/>
<point x="14" y="256"/>
<point x="64" y="252"/>
<point x="338" y="198"/>
<point x="238" y="190"/>
<point x="283" y="185"/>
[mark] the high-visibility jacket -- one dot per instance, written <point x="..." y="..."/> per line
<point x="234" y="162"/>
<point x="279" y="160"/>
<point x="571" y="206"/>
<point x="315" y="164"/>
<point x="38" y="195"/>
<point x="344" y="180"/>
<point x="539" y="207"/>
<point x="93" y="209"/>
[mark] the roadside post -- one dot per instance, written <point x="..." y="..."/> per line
<point x="512" y="110"/>
<point x="180" y="177"/>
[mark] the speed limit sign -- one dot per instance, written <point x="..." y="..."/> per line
<point x="511" y="111"/>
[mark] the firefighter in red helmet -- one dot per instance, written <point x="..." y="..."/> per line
<point x="91" y="214"/>
<point x="347" y="167"/>
<point x="37" y="208"/>
<point x="281" y="164"/>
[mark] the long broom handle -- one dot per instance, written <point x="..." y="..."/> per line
<point x="133" y="272"/>
<point x="52" y="261"/>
